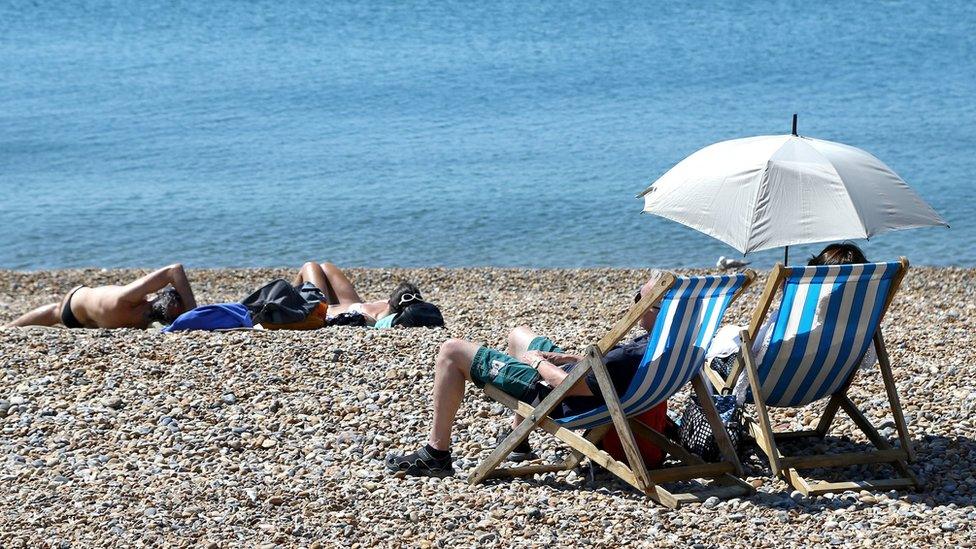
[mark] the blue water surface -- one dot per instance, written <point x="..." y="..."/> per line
<point x="449" y="133"/>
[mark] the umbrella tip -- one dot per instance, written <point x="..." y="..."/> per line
<point x="794" y="123"/>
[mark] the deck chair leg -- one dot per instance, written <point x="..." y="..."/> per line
<point x="715" y="422"/>
<point x="769" y="444"/>
<point x="875" y="437"/>
<point x="737" y="369"/>
<point x="829" y="413"/>
<point x="889" y="382"/>
<point x="520" y="433"/>
<point x="569" y="462"/>
<point x="573" y="460"/>
<point x="714" y="378"/>
<point x="575" y="457"/>
<point x="727" y="478"/>
<point x="624" y="432"/>
<point x="889" y="455"/>
<point x="581" y="445"/>
<point x="834" y="404"/>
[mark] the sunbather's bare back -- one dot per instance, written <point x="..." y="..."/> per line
<point x="106" y="307"/>
<point x="112" y="306"/>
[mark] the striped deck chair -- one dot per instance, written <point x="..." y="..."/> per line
<point x="828" y="316"/>
<point x="691" y="311"/>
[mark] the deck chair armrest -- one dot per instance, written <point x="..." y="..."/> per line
<point x="736" y="371"/>
<point x="774" y="281"/>
<point x="895" y="285"/>
<point x="751" y="276"/>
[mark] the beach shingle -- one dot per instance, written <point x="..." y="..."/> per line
<point x="251" y="438"/>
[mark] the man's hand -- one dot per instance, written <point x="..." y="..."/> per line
<point x="532" y="358"/>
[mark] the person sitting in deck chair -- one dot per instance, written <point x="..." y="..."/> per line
<point x="161" y="296"/>
<point x="724" y="348"/>
<point x="531" y="368"/>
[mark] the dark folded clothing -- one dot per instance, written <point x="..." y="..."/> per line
<point x="278" y="302"/>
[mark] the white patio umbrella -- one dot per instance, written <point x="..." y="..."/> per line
<point x="769" y="191"/>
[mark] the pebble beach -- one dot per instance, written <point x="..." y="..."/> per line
<point x="268" y="439"/>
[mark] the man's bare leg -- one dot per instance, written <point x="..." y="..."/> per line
<point x="451" y="370"/>
<point x="518" y="343"/>
<point x="41" y="316"/>
<point x="343" y="290"/>
<point x="519" y="340"/>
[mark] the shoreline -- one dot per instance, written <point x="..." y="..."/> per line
<point x="132" y="433"/>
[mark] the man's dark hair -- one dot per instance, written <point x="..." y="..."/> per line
<point x="403" y="295"/>
<point x="161" y="308"/>
<point x="843" y="253"/>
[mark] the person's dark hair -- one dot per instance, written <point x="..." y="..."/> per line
<point x="420" y="315"/>
<point x="842" y="253"/>
<point x="403" y="295"/>
<point x="161" y="308"/>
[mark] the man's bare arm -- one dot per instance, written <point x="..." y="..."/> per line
<point x="553" y="374"/>
<point x="560" y="358"/>
<point x="157" y="280"/>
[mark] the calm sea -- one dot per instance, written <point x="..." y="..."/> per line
<point x="406" y="133"/>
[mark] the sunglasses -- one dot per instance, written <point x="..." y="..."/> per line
<point x="408" y="298"/>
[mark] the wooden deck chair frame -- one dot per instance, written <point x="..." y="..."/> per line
<point x="787" y="467"/>
<point x="635" y="473"/>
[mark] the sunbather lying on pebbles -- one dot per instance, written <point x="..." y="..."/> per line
<point x="405" y="307"/>
<point x="532" y="367"/>
<point x="159" y="296"/>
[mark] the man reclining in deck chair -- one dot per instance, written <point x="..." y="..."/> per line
<point x="533" y="366"/>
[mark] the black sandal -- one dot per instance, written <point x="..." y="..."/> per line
<point x="420" y="464"/>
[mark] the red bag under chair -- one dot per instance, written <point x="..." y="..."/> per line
<point x="655" y="418"/>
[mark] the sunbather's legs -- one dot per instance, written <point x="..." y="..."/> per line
<point x="342" y="288"/>
<point x="312" y="272"/>
<point x="452" y="368"/>
<point x="41" y="316"/>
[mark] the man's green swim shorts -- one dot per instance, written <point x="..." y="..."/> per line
<point x="508" y="373"/>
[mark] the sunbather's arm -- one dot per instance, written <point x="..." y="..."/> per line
<point x="157" y="280"/>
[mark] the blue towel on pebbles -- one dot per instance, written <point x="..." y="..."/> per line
<point x="220" y="316"/>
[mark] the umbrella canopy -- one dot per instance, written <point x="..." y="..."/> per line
<point x="770" y="191"/>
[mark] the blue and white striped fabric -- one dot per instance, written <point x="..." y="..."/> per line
<point x="824" y="325"/>
<point x="691" y="312"/>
